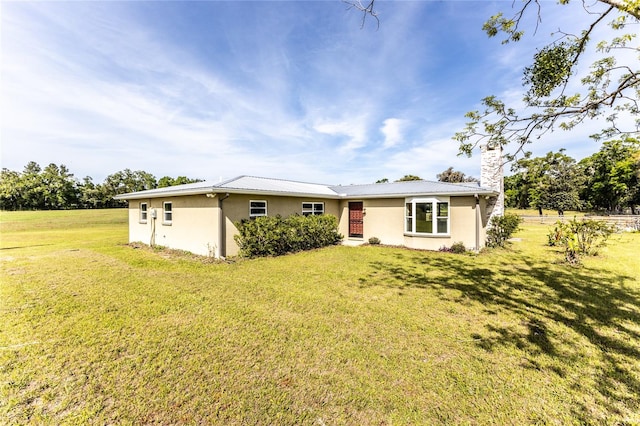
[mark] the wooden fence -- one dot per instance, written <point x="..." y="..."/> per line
<point x="630" y="222"/>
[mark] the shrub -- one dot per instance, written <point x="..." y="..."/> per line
<point x="275" y="235"/>
<point x="579" y="237"/>
<point x="374" y="241"/>
<point x="457" y="248"/>
<point x="501" y="228"/>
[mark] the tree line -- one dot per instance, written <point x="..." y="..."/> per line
<point x="607" y="181"/>
<point x="54" y="187"/>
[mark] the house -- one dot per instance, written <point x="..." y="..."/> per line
<point x="200" y="217"/>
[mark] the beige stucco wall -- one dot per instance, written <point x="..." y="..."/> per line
<point x="384" y="219"/>
<point x="194" y="225"/>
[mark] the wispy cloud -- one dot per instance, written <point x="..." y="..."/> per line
<point x="207" y="89"/>
<point x="352" y="130"/>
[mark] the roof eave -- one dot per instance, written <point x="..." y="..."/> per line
<point x="176" y="193"/>
<point x="217" y="190"/>
<point x="214" y="190"/>
<point x="422" y="194"/>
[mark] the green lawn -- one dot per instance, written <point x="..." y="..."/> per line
<point x="95" y="331"/>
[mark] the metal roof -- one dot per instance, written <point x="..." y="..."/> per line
<point x="254" y="184"/>
<point x="267" y="186"/>
<point x="410" y="188"/>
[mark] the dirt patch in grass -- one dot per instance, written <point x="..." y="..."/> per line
<point x="172" y="254"/>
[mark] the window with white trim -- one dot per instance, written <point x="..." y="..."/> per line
<point x="427" y="216"/>
<point x="143" y="212"/>
<point x="309" y="208"/>
<point x="167" y="213"/>
<point x="257" y="208"/>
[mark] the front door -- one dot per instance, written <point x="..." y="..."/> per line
<point x="356" y="219"/>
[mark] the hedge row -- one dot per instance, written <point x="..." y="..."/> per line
<point x="275" y="235"/>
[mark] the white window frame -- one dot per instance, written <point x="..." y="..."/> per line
<point x="167" y="214"/>
<point x="411" y="216"/>
<point x="144" y="212"/>
<point x="252" y="209"/>
<point x="313" y="209"/>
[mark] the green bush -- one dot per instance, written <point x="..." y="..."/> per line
<point x="374" y="241"/>
<point x="275" y="235"/>
<point x="501" y="228"/>
<point x="579" y="237"/>
<point x="457" y="248"/>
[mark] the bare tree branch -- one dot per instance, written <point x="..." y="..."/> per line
<point x="367" y="10"/>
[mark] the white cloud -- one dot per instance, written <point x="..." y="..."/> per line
<point x="149" y="101"/>
<point x="277" y="90"/>
<point x="392" y="131"/>
<point x="353" y="129"/>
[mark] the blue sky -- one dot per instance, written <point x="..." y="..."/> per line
<point x="285" y="89"/>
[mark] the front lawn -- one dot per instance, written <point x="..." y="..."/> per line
<point x="95" y="331"/>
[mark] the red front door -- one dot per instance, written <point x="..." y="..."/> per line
<point x="355" y="219"/>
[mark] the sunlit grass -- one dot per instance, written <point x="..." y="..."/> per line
<point x="94" y="330"/>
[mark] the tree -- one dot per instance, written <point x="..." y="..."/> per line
<point x="90" y="194"/>
<point x="10" y="194"/>
<point x="383" y="180"/>
<point x="550" y="182"/>
<point x="31" y="188"/>
<point x="126" y="181"/>
<point x="560" y="187"/>
<point x="611" y="87"/>
<point x="515" y="191"/>
<point x="59" y="188"/>
<point x="607" y="90"/>
<point x="613" y="175"/>
<point x="166" y="181"/>
<point x="454" y="176"/>
<point x="56" y="188"/>
<point x="407" y="178"/>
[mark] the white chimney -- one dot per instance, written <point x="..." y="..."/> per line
<point x="492" y="177"/>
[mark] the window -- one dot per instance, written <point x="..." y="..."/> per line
<point x="167" y="217"/>
<point x="143" y="212"/>
<point x="442" y="218"/>
<point x="257" y="208"/>
<point x="309" y="209"/>
<point x="427" y="216"/>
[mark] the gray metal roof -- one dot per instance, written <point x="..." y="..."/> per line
<point x="410" y="188"/>
<point x="254" y="184"/>
<point x="267" y="186"/>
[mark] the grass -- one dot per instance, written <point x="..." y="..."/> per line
<point x="95" y="331"/>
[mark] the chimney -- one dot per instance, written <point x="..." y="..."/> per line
<point x="492" y="177"/>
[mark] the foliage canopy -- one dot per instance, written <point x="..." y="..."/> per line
<point x="557" y="96"/>
<point x="56" y="188"/>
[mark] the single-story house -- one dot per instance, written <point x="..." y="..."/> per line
<point x="200" y="217"/>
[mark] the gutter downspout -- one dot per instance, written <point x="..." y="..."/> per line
<point x="477" y="223"/>
<point x="220" y="249"/>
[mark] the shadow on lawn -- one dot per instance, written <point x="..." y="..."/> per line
<point x="595" y="304"/>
